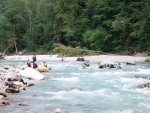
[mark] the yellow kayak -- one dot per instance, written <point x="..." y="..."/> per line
<point x="85" y="67"/>
<point x="42" y="69"/>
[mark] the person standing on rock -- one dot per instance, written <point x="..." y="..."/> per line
<point x="34" y="58"/>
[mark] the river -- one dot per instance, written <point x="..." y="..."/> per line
<point x="77" y="90"/>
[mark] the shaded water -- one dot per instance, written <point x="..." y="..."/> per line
<point x="77" y="90"/>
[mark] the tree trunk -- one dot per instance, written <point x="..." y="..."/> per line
<point x="6" y="50"/>
<point x="16" y="46"/>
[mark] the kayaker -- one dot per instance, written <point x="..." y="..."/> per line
<point x="87" y="63"/>
<point x="45" y="65"/>
<point x="62" y="58"/>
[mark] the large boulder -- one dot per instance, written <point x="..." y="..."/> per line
<point x="131" y="63"/>
<point x="31" y="73"/>
<point x="145" y="85"/>
<point x="147" y="60"/>
<point x="109" y="64"/>
<point x="2" y="95"/>
<point x="80" y="59"/>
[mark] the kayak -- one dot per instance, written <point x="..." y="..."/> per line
<point x="63" y="61"/>
<point x="86" y="67"/>
<point x="42" y="69"/>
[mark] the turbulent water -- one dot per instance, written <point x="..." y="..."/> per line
<point x="77" y="90"/>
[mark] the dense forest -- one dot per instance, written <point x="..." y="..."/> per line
<point x="100" y="25"/>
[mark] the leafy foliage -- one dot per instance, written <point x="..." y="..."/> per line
<point x="69" y="51"/>
<point x="102" y="25"/>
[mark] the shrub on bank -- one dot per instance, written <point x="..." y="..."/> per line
<point x="69" y="51"/>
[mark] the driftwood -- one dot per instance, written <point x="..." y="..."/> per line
<point x="2" y="55"/>
<point x="22" y="51"/>
<point x="101" y="52"/>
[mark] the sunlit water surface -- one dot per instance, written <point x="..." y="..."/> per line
<point x="77" y="90"/>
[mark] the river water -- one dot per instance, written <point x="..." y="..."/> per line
<point x="77" y="90"/>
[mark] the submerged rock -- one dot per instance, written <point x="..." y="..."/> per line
<point x="131" y="63"/>
<point x="80" y="59"/>
<point x="58" y="110"/>
<point x="143" y="77"/>
<point x="146" y="85"/>
<point x="109" y="64"/>
<point x="30" y="84"/>
<point x="126" y="111"/>
<point x="21" y="104"/>
<point x="11" y="90"/>
<point x="147" y="60"/>
<point x="3" y="94"/>
<point x="4" y="104"/>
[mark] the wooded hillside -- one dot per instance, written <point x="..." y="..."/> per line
<point x="100" y="25"/>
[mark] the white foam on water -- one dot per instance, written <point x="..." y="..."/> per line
<point x="139" y="97"/>
<point x="127" y="80"/>
<point x="126" y="83"/>
<point x="101" y="92"/>
<point x="137" y="72"/>
<point x="144" y="105"/>
<point x="75" y="73"/>
<point x="141" y="80"/>
<point x="112" y="81"/>
<point x="129" y="84"/>
<point x="59" y="66"/>
<point x="72" y="79"/>
<point x="107" y="93"/>
<point x="59" y="97"/>
<point x="59" y="73"/>
<point x="118" y="73"/>
<point x="96" y="74"/>
<point x="106" y="73"/>
<point x="144" y="91"/>
<point x="127" y="87"/>
<point x="144" y="71"/>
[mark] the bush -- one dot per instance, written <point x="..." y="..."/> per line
<point x="69" y="51"/>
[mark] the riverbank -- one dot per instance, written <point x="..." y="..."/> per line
<point x="98" y="58"/>
<point x="14" y="79"/>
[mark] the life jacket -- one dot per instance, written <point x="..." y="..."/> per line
<point x="28" y="64"/>
<point x="45" y="65"/>
<point x="35" y="65"/>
